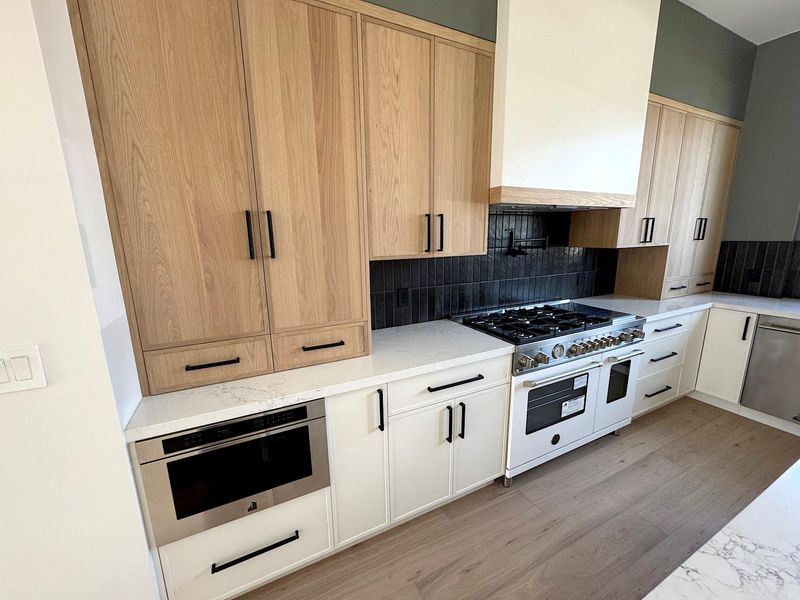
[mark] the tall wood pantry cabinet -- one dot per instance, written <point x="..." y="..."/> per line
<point x="670" y="241"/>
<point x="228" y="136"/>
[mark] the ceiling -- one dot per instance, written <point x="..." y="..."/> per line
<point x="756" y="20"/>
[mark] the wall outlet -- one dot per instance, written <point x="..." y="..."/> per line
<point x="21" y="369"/>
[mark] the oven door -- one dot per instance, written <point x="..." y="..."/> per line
<point x="617" y="388"/>
<point x="551" y="409"/>
<point x="197" y="490"/>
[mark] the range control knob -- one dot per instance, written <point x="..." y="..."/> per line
<point x="558" y="351"/>
<point x="526" y="362"/>
<point x="574" y="350"/>
<point x="541" y="358"/>
<point x="626" y="337"/>
<point x="585" y="347"/>
<point x="638" y="334"/>
<point x="615" y="340"/>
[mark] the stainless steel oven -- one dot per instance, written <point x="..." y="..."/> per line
<point x="203" y="477"/>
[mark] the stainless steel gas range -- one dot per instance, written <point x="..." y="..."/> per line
<point x="573" y="376"/>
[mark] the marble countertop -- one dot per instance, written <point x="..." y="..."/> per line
<point x="755" y="556"/>
<point x="397" y="353"/>
<point x="776" y="307"/>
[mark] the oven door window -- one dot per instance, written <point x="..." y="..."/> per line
<point x="218" y="476"/>
<point x="618" y="381"/>
<point x="556" y="402"/>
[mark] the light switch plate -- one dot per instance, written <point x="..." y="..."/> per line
<point x="21" y="369"/>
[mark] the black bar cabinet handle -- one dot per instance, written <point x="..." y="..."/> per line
<point x="705" y="229"/>
<point x="449" y="437"/>
<point x="323" y="346"/>
<point x="678" y="287"/>
<point x="702" y="284"/>
<point x="251" y="245"/>
<point x="211" y="365"/>
<point x="698" y="228"/>
<point x="666" y="389"/>
<point x="382" y="425"/>
<point x="270" y="234"/>
<point x="746" y="327"/>
<point x="670" y="328"/>
<point x="427" y="232"/>
<point x="215" y="568"/>
<point x="454" y="384"/>
<point x="441" y="232"/>
<point x="463" y="419"/>
<point x="646" y="227"/>
<point x="670" y="355"/>
<point x="652" y="229"/>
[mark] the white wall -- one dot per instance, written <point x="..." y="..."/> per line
<point x="571" y="88"/>
<point x="72" y="118"/>
<point x="69" y="517"/>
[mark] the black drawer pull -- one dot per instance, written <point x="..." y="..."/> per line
<point x="670" y="328"/>
<point x="251" y="245"/>
<point x="449" y="437"/>
<point x="382" y="425"/>
<point x="670" y="355"/>
<point x="457" y="383"/>
<point x="679" y="287"/>
<point x="271" y="234"/>
<point x="463" y="420"/>
<point x="666" y="389"/>
<point x="703" y="284"/>
<point x="323" y="346"/>
<point x="215" y="568"/>
<point x="211" y="365"/>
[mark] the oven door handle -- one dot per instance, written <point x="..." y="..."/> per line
<point x="554" y="378"/>
<point x="616" y="359"/>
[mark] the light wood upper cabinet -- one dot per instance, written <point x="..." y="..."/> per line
<point x="463" y="120"/>
<point x="715" y="199"/>
<point x="302" y="83"/>
<point x="170" y="98"/>
<point x="698" y="135"/>
<point x="665" y="174"/>
<point x="397" y="65"/>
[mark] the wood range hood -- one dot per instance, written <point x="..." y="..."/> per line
<point x="570" y="101"/>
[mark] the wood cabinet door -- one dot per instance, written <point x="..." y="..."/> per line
<point x="665" y="173"/>
<point x="301" y="70"/>
<point x="420" y="458"/>
<point x="631" y="221"/>
<point x="690" y="188"/>
<point x="463" y="120"/>
<point x="357" y="424"/>
<point x="726" y="352"/>
<point x="715" y="200"/>
<point x="170" y="99"/>
<point x="480" y="436"/>
<point x="397" y="67"/>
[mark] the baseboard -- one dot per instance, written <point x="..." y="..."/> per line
<point x="748" y="413"/>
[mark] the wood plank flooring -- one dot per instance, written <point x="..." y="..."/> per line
<point x="607" y="521"/>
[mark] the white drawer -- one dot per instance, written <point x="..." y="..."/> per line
<point x="413" y="392"/>
<point x="188" y="562"/>
<point x="663" y="354"/>
<point x="660" y="328"/>
<point x="656" y="390"/>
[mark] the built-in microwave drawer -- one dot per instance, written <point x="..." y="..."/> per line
<point x="230" y="559"/>
<point x="662" y="355"/>
<point x="655" y="390"/>
<point x="317" y="346"/>
<point x="423" y="390"/>
<point x="191" y="366"/>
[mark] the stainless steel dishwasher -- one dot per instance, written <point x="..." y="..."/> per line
<point x="772" y="384"/>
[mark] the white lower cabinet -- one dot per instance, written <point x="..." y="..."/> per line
<point x="446" y="449"/>
<point x="726" y="351"/>
<point x="358" y="443"/>
<point x="230" y="559"/>
<point x="694" y="349"/>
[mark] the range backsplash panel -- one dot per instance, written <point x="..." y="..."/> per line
<point x="759" y="269"/>
<point x="417" y="290"/>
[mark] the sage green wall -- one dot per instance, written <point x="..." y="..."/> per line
<point x="476" y="17"/>
<point x="699" y="62"/>
<point x="765" y="199"/>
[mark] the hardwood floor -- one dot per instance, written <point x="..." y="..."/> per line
<point x="607" y="521"/>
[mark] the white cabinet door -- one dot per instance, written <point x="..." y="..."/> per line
<point x="420" y="457"/>
<point x="357" y="427"/>
<point x="726" y="351"/>
<point x="480" y="433"/>
<point x="694" y="348"/>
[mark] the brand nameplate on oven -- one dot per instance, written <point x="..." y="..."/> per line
<point x="580" y="382"/>
<point x="570" y="407"/>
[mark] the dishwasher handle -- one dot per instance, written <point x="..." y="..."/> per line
<point x="780" y="328"/>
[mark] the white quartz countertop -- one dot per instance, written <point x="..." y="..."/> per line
<point x="776" y="307"/>
<point x="755" y="556"/>
<point x="397" y="353"/>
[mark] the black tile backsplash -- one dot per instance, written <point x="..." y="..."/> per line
<point x="412" y="291"/>
<point x="759" y="269"/>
